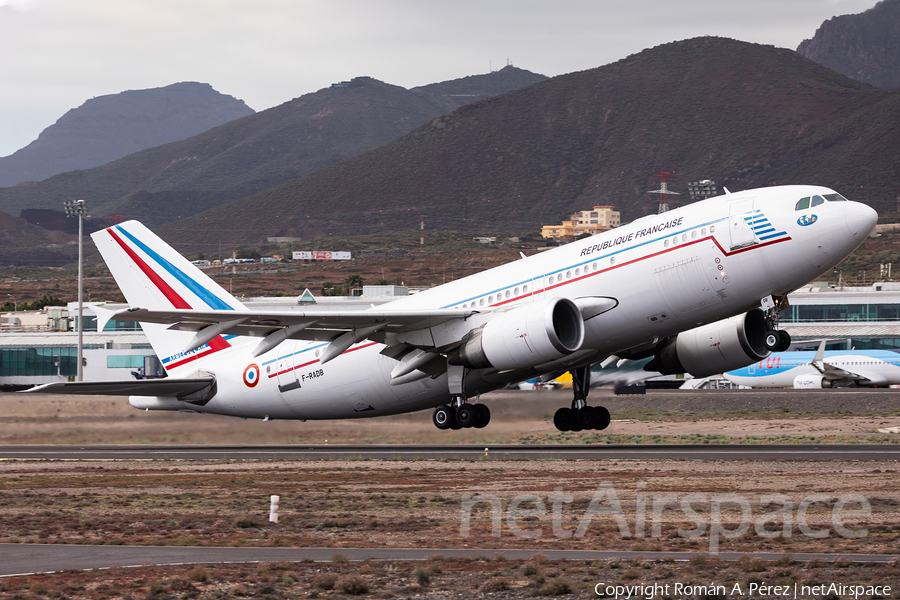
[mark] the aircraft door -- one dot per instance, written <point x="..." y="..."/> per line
<point x="740" y="224"/>
<point x="287" y="374"/>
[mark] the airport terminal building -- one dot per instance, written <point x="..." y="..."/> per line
<point x="42" y="348"/>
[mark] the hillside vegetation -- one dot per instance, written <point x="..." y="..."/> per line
<point x="742" y="114"/>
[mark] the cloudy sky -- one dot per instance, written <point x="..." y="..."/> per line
<point x="55" y="54"/>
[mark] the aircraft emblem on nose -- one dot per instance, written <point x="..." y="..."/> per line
<point x="807" y="220"/>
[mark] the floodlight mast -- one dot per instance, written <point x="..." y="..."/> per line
<point x="78" y="208"/>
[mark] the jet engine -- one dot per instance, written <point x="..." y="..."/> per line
<point x="525" y="336"/>
<point x="715" y="348"/>
<point x="811" y="382"/>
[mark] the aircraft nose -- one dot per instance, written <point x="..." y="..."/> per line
<point x="861" y="219"/>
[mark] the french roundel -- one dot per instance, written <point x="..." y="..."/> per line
<point x="251" y="375"/>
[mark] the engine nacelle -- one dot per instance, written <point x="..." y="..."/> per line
<point x="810" y="382"/>
<point x="526" y="336"/>
<point x="715" y="348"/>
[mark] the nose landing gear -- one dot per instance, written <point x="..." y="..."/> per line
<point x="581" y="416"/>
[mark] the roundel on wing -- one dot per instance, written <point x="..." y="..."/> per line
<point x="251" y="375"/>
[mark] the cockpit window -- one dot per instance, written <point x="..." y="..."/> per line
<point x="835" y="198"/>
<point x="802" y="204"/>
<point x="817" y="200"/>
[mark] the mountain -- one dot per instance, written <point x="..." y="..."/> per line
<point x="109" y="127"/>
<point x="744" y="115"/>
<point x="254" y="153"/>
<point x="450" y="95"/>
<point x="865" y="47"/>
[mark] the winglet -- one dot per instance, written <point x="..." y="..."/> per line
<point x="820" y="353"/>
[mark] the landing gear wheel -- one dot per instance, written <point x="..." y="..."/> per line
<point x="784" y="341"/>
<point x="466" y="415"/>
<point x="482" y="416"/>
<point x="772" y="340"/>
<point x="442" y="417"/>
<point x="587" y="417"/>
<point x="564" y="419"/>
<point x="603" y="417"/>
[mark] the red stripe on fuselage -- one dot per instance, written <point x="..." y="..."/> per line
<point x="639" y="259"/>
<point x="306" y="364"/>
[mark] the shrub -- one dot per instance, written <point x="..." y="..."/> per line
<point x="495" y="584"/>
<point x="423" y="577"/>
<point x="199" y="574"/>
<point x="352" y="584"/>
<point x="557" y="587"/>
<point x="325" y="581"/>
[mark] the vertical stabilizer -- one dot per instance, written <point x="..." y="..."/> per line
<point x="152" y="274"/>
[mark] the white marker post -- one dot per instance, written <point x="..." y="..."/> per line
<point x="273" y="510"/>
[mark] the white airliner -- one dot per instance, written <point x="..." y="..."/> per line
<point x="821" y="369"/>
<point x="684" y="287"/>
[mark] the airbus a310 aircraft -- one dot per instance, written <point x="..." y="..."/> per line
<point x="684" y="287"/>
<point x="821" y="369"/>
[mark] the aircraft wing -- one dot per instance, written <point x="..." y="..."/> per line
<point x="341" y="327"/>
<point x="134" y="387"/>
<point x="832" y="372"/>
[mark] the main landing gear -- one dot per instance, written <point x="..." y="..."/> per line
<point x="581" y="416"/>
<point x="459" y="413"/>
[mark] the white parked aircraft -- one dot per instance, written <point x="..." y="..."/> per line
<point x="821" y="369"/>
<point x="684" y="287"/>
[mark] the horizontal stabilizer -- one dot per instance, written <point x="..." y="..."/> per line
<point x="136" y="387"/>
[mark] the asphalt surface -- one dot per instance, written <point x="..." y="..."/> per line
<point x="460" y="452"/>
<point x="27" y="559"/>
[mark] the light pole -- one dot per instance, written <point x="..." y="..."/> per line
<point x="77" y="208"/>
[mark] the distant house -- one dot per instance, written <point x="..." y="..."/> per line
<point x="594" y="221"/>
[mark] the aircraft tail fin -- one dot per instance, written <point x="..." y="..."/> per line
<point x="151" y="274"/>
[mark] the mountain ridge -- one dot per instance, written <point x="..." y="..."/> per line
<point x="864" y="46"/>
<point x="250" y="154"/>
<point x="106" y="128"/>
<point x="745" y="115"/>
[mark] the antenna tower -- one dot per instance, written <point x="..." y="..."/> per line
<point x="663" y="190"/>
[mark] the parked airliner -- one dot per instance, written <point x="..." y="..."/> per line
<point x="821" y="369"/>
<point x="684" y="287"/>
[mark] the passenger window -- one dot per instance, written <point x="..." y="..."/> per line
<point x="694" y="234"/>
<point x="481" y="302"/>
<point x="835" y="198"/>
<point x="491" y="299"/>
<point x="817" y="200"/>
<point x="612" y="260"/>
<point x="666" y="244"/>
<point x="802" y="204"/>
<point x="516" y="291"/>
<point x="683" y="237"/>
<point x="568" y="274"/>
<point x="507" y="293"/>
<point x="595" y="266"/>
<point x="703" y="231"/>
<point x="525" y="289"/>
<point x="577" y="272"/>
<point x="712" y="228"/>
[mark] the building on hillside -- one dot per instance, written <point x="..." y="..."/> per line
<point x="594" y="221"/>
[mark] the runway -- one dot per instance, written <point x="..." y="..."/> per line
<point x="459" y="452"/>
<point x="27" y="559"/>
